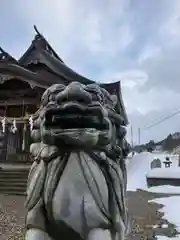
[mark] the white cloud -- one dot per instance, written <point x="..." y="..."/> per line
<point x="83" y="24"/>
<point x="137" y="43"/>
<point x="150" y="51"/>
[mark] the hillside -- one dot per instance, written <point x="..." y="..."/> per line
<point x="167" y="144"/>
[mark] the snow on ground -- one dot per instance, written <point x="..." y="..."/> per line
<point x="137" y="169"/>
<point x="166" y="238"/>
<point x="171" y="209"/>
<point x="165" y="189"/>
<point x="173" y="172"/>
<point x="139" y="166"/>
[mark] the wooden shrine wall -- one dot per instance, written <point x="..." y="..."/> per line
<point x="17" y="100"/>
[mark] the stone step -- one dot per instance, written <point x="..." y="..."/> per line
<point x="14" y="172"/>
<point x="7" y="172"/>
<point x="16" y="162"/>
<point x="15" y="176"/>
<point x="13" y="181"/>
<point x="16" y="186"/>
<point x="13" y="192"/>
<point x="13" y="184"/>
<point x="12" y="189"/>
<point x="6" y="169"/>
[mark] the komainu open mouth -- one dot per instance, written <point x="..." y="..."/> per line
<point x="75" y="116"/>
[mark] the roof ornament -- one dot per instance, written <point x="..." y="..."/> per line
<point x="5" y="56"/>
<point x="37" y="32"/>
<point x="48" y="47"/>
<point x="39" y="41"/>
<point x="39" y="35"/>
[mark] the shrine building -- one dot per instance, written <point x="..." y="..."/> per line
<point x="22" y="83"/>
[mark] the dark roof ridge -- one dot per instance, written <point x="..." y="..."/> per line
<point x="39" y="39"/>
<point x="40" y="36"/>
<point x="6" y="57"/>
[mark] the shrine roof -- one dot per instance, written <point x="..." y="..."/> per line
<point x="40" y="53"/>
<point x="6" y="57"/>
<point x="31" y="56"/>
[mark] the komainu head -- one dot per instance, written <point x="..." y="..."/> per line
<point x="79" y="117"/>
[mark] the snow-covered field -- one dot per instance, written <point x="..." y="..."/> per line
<point x="166" y="238"/>
<point x="173" y="172"/>
<point x="137" y="169"/>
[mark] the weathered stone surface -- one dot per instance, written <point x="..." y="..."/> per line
<point x="78" y="123"/>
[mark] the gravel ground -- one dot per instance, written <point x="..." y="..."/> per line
<point x="143" y="214"/>
<point x="12" y="213"/>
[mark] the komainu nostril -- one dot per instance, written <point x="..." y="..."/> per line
<point x="74" y="92"/>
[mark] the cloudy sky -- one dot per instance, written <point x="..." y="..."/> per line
<point x="135" y="41"/>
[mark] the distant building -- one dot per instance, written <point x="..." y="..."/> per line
<point x="158" y="148"/>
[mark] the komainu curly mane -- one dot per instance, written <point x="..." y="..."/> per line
<point x="77" y="183"/>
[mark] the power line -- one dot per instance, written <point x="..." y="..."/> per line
<point x="162" y="120"/>
<point x="156" y="123"/>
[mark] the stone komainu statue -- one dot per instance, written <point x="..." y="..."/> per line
<point x="77" y="184"/>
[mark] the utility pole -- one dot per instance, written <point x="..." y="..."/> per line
<point x="132" y="144"/>
<point x="139" y="136"/>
